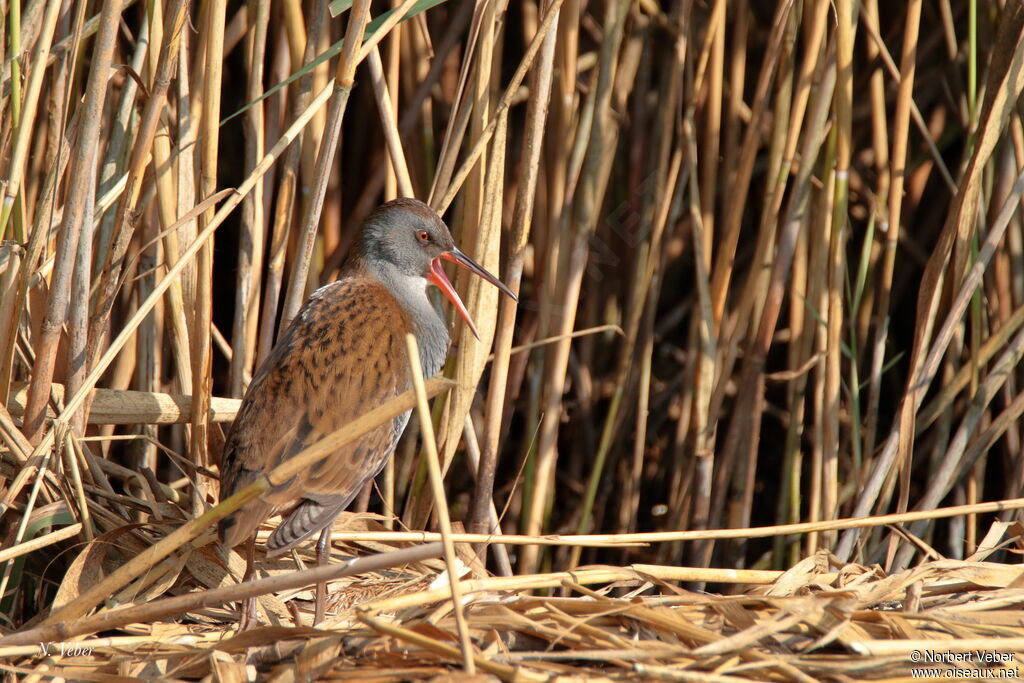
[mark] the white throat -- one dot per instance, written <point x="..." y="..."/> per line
<point x="428" y="323"/>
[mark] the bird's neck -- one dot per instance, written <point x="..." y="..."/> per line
<point x="428" y="324"/>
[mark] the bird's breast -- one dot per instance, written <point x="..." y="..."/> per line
<point x="433" y="341"/>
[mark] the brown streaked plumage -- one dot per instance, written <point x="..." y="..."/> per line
<point x="343" y="354"/>
<point x="304" y="391"/>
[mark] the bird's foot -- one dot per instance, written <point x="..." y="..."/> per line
<point x="248" y="619"/>
<point x="321" y="603"/>
<point x="323" y="555"/>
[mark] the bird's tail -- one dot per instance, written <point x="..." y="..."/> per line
<point x="308" y="517"/>
<point x="241" y="524"/>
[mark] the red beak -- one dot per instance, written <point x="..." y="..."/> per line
<point x="437" y="277"/>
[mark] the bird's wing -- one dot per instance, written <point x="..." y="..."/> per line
<point x="343" y="354"/>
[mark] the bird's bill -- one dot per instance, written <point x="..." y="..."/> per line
<point x="458" y="256"/>
<point x="439" y="279"/>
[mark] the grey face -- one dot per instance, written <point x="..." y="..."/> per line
<point x="405" y="239"/>
<point x="407" y="234"/>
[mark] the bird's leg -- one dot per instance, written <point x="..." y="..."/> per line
<point x="248" y="618"/>
<point x="323" y="554"/>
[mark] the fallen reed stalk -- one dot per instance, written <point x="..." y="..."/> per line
<point x="52" y="630"/>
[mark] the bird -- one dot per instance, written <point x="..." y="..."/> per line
<point x="343" y="354"/>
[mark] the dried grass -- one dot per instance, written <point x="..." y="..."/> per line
<point x="820" y="620"/>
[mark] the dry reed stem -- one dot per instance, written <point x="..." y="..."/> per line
<point x="1006" y="80"/>
<point x="288" y="189"/>
<point x="455" y="185"/>
<point x="925" y="356"/>
<point x="506" y="673"/>
<point x="80" y="193"/>
<point x="125" y="217"/>
<point x="901" y="125"/>
<point x="114" y="406"/>
<point x="19" y="151"/>
<point x="75" y="402"/>
<point x="234" y="197"/>
<point x="440" y="501"/>
<point x="697" y="535"/>
<point x="201" y="320"/>
<point x="40" y="542"/>
<point x="341" y="88"/>
<point x="252" y="240"/>
<point x="583" y="576"/>
<point x="722" y="271"/>
<point x="387" y="117"/>
<point x="905" y="647"/>
<point x="600" y="144"/>
<point x="536" y="114"/>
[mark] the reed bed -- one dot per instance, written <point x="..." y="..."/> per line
<point x="755" y="416"/>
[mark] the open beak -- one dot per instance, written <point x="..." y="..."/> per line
<point x="438" y="278"/>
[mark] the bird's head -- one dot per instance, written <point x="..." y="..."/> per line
<point x="409" y="236"/>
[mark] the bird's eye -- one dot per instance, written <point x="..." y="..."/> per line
<point x="423" y="236"/>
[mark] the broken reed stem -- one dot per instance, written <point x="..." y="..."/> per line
<point x="440" y="501"/>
